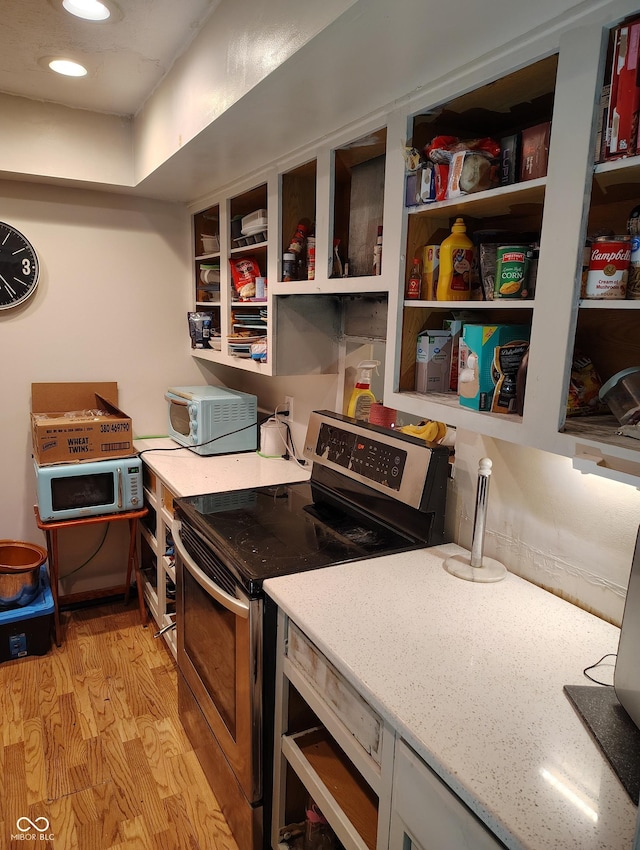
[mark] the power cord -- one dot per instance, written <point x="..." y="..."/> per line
<point x="208" y="442"/>
<point x="289" y="445"/>
<point x="91" y="557"/>
<point x="592" y="666"/>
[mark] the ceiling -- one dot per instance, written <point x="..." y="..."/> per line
<point x="126" y="56"/>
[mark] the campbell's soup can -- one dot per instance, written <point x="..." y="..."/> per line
<point x="512" y="271"/>
<point x="608" y="267"/>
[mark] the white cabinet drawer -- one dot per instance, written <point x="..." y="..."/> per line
<point x="427" y="815"/>
<point x="342" y="699"/>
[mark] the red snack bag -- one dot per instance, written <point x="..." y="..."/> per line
<point x="244" y="271"/>
<point x="439" y="149"/>
<point x="441" y="176"/>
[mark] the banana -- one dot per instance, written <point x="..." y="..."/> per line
<point x="430" y="431"/>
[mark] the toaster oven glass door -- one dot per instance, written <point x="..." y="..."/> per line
<point x="179" y="417"/>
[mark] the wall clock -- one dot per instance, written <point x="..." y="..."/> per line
<point x="19" y="267"/>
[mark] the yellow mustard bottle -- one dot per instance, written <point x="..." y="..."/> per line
<point x="456" y="254"/>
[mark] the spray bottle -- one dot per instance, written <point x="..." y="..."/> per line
<point x="362" y="397"/>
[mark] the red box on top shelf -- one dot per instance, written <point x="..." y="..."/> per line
<point x="624" y="98"/>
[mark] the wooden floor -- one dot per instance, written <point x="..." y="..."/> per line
<point x="91" y="742"/>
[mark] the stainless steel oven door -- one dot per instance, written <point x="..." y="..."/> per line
<point x="220" y="655"/>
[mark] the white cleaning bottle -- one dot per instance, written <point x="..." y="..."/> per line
<point x="362" y="397"/>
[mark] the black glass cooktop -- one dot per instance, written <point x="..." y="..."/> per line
<point x="266" y="532"/>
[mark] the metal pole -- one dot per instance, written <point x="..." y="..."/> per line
<point x="480" y="516"/>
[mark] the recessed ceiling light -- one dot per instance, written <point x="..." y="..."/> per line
<point x="90" y="10"/>
<point x="68" y="68"/>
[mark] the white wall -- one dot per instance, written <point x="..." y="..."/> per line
<point x="239" y="45"/>
<point x="47" y="140"/>
<point x="111" y="305"/>
<point x="547" y="522"/>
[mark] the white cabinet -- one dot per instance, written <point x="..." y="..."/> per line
<point x="332" y="745"/>
<point x="426" y="815"/>
<point x="156" y="555"/>
<point x="555" y="74"/>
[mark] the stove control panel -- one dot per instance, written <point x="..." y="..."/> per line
<point x="370" y="458"/>
<point x="388" y="461"/>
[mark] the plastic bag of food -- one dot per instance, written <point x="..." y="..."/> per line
<point x="470" y="171"/>
<point x="584" y="387"/>
<point x="441" y="148"/>
<point x="244" y="271"/>
<point x="200" y="329"/>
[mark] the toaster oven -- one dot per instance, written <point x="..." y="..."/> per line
<point x="212" y="420"/>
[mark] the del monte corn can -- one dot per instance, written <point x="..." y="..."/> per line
<point x="512" y="271"/>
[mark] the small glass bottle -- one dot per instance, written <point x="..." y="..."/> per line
<point x="311" y="257"/>
<point x="414" y="285"/>
<point x="288" y="266"/>
<point x="318" y="835"/>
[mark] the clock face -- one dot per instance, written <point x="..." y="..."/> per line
<point x="19" y="267"/>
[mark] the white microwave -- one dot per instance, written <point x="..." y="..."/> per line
<point x="72" y="490"/>
<point x="212" y="420"/>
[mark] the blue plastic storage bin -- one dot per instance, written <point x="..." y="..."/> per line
<point x="27" y="630"/>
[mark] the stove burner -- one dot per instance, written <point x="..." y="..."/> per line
<point x="278" y="539"/>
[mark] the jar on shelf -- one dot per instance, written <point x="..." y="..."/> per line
<point x="289" y="266"/>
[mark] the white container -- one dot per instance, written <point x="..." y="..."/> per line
<point x="210" y="244"/>
<point x="433" y="361"/>
<point x="273" y="438"/>
<point x="209" y="275"/>
<point x="622" y="394"/>
<point x="254" y="223"/>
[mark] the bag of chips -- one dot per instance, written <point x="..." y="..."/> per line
<point x="200" y="329"/>
<point x="244" y="271"/>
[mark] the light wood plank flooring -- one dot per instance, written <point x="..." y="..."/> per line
<point x="92" y="742"/>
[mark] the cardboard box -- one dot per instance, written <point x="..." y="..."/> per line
<point x="534" y="147"/>
<point x="411" y="189"/>
<point x="624" y="98"/>
<point x="476" y="375"/>
<point x="507" y="360"/>
<point x="433" y="361"/>
<point x="602" y="118"/>
<point x="509" y="156"/>
<point x="62" y="431"/>
<point x="455" y="326"/>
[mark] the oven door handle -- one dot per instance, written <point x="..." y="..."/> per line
<point x="240" y="608"/>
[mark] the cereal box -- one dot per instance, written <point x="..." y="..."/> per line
<point x="477" y="377"/>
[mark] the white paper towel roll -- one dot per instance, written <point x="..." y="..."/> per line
<point x="273" y="438"/>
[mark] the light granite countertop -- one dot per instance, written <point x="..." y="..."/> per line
<point x="186" y="473"/>
<point x="471" y="676"/>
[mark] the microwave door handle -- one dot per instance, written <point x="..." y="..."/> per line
<point x="176" y="400"/>
<point x="119" y="487"/>
<point x="241" y="609"/>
